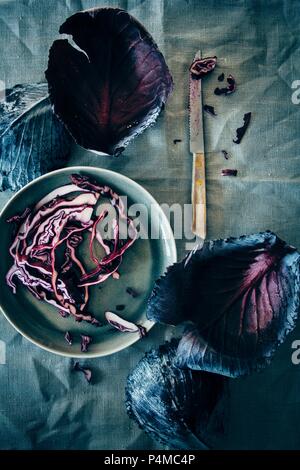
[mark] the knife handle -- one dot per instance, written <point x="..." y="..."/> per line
<point x="199" y="196"/>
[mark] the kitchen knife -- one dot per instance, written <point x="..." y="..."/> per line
<point x="197" y="149"/>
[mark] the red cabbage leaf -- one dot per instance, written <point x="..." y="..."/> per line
<point x="241" y="296"/>
<point x="113" y="86"/>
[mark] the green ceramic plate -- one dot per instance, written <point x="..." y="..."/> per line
<point x="144" y="262"/>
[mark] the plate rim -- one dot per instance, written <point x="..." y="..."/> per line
<point x="171" y="242"/>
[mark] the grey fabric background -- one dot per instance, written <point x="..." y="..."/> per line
<point x="42" y="404"/>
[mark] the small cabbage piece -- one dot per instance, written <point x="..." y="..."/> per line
<point x="85" y="342"/>
<point x="229" y="171"/>
<point x="180" y="408"/>
<point x="58" y="222"/>
<point x="209" y="109"/>
<point x="113" y="85"/>
<point x="69" y="338"/>
<point x="123" y="325"/>
<point x="241" y="296"/>
<point x="226" y="155"/>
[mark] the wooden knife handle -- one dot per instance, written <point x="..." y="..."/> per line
<point x="199" y="196"/>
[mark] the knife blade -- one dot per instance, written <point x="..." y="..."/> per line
<point x="197" y="149"/>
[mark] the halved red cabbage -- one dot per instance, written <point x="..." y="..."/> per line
<point x="241" y="297"/>
<point x="113" y="86"/>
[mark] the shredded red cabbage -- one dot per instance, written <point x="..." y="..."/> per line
<point x="60" y="220"/>
<point x="201" y="67"/>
